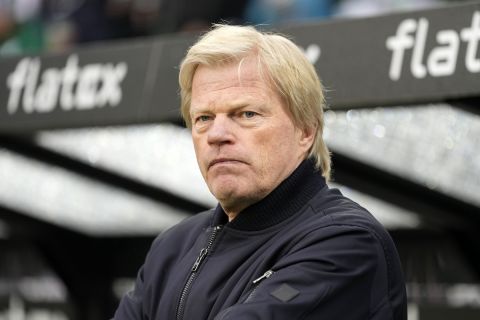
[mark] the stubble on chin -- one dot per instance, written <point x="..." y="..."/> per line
<point x="234" y="202"/>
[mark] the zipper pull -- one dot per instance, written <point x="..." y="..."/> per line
<point x="201" y="256"/>
<point x="263" y="276"/>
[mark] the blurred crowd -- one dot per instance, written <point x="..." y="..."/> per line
<point x="33" y="26"/>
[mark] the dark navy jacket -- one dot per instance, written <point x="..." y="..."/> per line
<point x="303" y="252"/>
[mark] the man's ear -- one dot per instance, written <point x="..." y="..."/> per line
<point x="307" y="137"/>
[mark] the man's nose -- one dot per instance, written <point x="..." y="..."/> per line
<point x="220" y="131"/>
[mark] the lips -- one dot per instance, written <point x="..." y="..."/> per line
<point x="223" y="160"/>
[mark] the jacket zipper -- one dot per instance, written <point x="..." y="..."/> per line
<point x="264" y="276"/>
<point x="256" y="283"/>
<point x="193" y="272"/>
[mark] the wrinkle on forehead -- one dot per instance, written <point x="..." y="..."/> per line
<point x="259" y="68"/>
<point x="246" y="74"/>
<point x="236" y="83"/>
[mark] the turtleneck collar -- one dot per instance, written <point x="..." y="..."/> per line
<point x="283" y="202"/>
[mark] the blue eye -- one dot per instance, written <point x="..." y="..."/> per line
<point x="203" y="118"/>
<point x="249" y="114"/>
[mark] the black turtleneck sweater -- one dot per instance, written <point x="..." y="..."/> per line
<point x="303" y="252"/>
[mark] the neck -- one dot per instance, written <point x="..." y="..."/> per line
<point x="232" y="214"/>
<point x="233" y="209"/>
<point x="291" y="195"/>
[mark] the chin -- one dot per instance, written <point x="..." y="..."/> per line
<point x="225" y="187"/>
<point x="225" y="194"/>
<point x="232" y="191"/>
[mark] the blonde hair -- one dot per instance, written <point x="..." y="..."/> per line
<point x="287" y="68"/>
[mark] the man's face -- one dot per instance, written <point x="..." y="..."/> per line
<point x="244" y="138"/>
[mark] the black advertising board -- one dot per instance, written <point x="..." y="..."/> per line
<point x="413" y="57"/>
<point x="404" y="58"/>
<point x="111" y="84"/>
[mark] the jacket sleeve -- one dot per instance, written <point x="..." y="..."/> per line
<point x="131" y="305"/>
<point x="341" y="274"/>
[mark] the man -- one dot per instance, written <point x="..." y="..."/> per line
<point x="280" y="244"/>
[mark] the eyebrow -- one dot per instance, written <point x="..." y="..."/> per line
<point x="206" y="108"/>
<point x="233" y="107"/>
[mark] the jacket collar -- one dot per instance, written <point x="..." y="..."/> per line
<point x="283" y="202"/>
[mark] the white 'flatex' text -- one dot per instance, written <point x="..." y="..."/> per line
<point x="72" y="87"/>
<point x="442" y="59"/>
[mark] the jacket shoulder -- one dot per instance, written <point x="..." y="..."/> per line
<point x="186" y="230"/>
<point x="332" y="209"/>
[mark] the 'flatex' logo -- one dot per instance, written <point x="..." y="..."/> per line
<point x="442" y="59"/>
<point x="73" y="87"/>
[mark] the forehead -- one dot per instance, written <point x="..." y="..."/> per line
<point x="246" y="73"/>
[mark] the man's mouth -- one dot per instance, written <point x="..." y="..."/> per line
<point x="222" y="161"/>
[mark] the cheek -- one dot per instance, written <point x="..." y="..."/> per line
<point x="200" y="154"/>
<point x="270" y="149"/>
<point x="280" y="140"/>
<point x="282" y="149"/>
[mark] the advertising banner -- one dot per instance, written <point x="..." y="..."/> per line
<point x="403" y="58"/>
